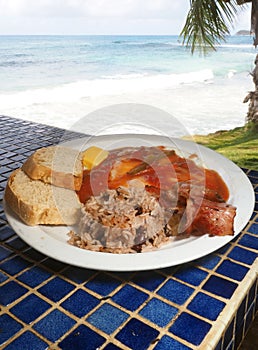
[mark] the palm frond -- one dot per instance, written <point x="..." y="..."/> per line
<point x="207" y="23"/>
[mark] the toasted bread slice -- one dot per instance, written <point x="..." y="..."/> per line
<point x="56" y="165"/>
<point x="36" y="202"/>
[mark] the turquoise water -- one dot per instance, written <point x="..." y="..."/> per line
<point x="51" y="78"/>
<point x="42" y="61"/>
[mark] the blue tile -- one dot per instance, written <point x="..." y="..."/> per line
<point x="56" y="289"/>
<point x="27" y="341"/>
<point x="219" y="345"/>
<point x="17" y="243"/>
<point x="9" y="327"/>
<point x="137" y="335"/>
<point x="80" y="303"/>
<point x="11" y="291"/>
<point x="130" y="297"/>
<point x="230" y="269"/>
<point x="206" y="306"/>
<point x="77" y="274"/>
<point x="240" y="315"/>
<point x="2" y="277"/>
<point x="228" y="334"/>
<point x="107" y="318"/>
<point x="6" y="233"/>
<point x="220" y="286"/>
<point x="103" y="284"/>
<point x="54" y="325"/>
<point x="111" y="347"/>
<point x="53" y="264"/>
<point x="34" y="304"/>
<point x="4" y="253"/>
<point x="159" y="312"/>
<point x="34" y="276"/>
<point x="148" y="280"/>
<point x="251" y="296"/>
<point x="209" y="261"/>
<point x="249" y="318"/>
<point x="82" y="338"/>
<point x="191" y="275"/>
<point x="190" y="328"/>
<point x="15" y="265"/>
<point x="243" y="255"/>
<point x="167" y="343"/>
<point x="253" y="229"/>
<point x="249" y="241"/>
<point x="175" y="291"/>
<point x="34" y="255"/>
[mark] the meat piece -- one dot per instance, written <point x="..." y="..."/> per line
<point x="217" y="219"/>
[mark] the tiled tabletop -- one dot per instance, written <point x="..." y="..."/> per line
<point x="45" y="304"/>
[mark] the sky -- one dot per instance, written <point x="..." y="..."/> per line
<point x="87" y="17"/>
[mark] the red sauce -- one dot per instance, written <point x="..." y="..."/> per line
<point x="157" y="167"/>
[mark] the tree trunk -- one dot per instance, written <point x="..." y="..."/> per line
<point x="252" y="97"/>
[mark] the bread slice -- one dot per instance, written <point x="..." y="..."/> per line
<point x="56" y="165"/>
<point x="36" y="202"/>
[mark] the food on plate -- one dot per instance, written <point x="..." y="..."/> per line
<point x="56" y="165"/>
<point x="123" y="220"/>
<point x="130" y="199"/>
<point x="36" y="202"/>
<point x="190" y="200"/>
<point x="93" y="156"/>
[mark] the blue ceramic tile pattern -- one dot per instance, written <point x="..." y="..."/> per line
<point x="80" y="303"/>
<point x="107" y="318"/>
<point x="82" y="338"/>
<point x="34" y="254"/>
<point x="220" y="286"/>
<point x="17" y="243"/>
<point x="130" y="297"/>
<point x="190" y="328"/>
<point x="5" y="233"/>
<point x="149" y="280"/>
<point x="8" y="327"/>
<point x="253" y="229"/>
<point x="4" y="253"/>
<point x="53" y="264"/>
<point x="167" y="343"/>
<point x="209" y="262"/>
<point x="159" y="312"/>
<point x="229" y="334"/>
<point x="249" y="241"/>
<point x="54" y="325"/>
<point x="232" y="270"/>
<point x="2" y="277"/>
<point x="15" y="265"/>
<point x="206" y="306"/>
<point x="77" y="274"/>
<point x="34" y="276"/>
<point x="137" y="335"/>
<point x="27" y="341"/>
<point x="175" y="291"/>
<point x="243" y="255"/>
<point x="191" y="275"/>
<point x="56" y="289"/>
<point x="11" y="291"/>
<point x="30" y="308"/>
<point x="103" y="284"/>
<point x="111" y="347"/>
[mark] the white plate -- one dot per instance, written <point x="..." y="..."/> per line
<point x="52" y="241"/>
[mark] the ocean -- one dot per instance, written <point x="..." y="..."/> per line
<point x="113" y="84"/>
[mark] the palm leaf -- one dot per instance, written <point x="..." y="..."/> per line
<point x="208" y="23"/>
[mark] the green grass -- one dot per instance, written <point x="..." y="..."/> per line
<point x="240" y="144"/>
